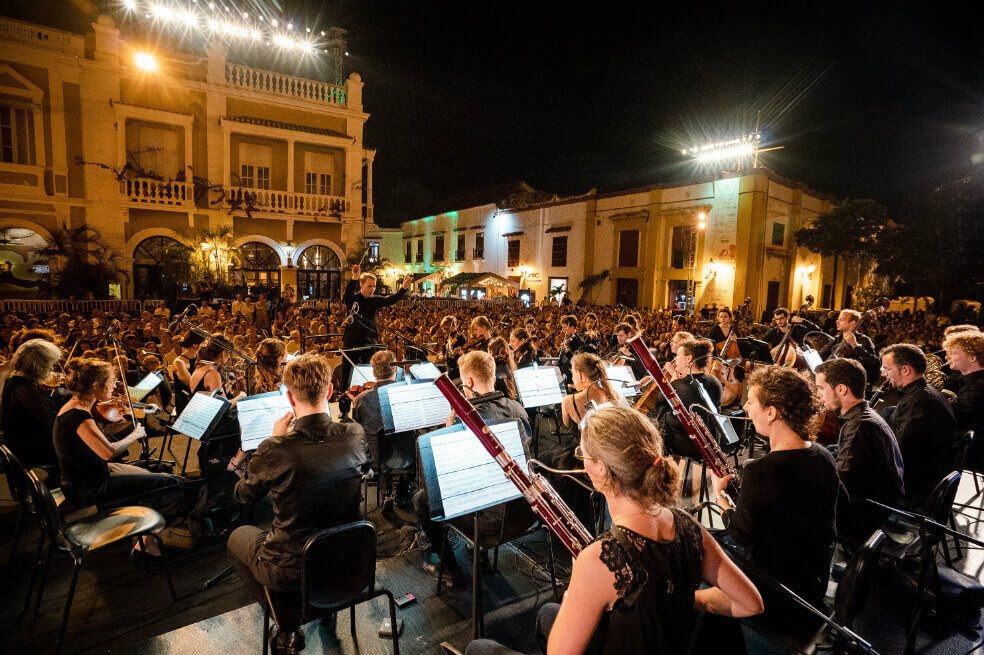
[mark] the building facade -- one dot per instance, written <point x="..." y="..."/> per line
<point x="716" y="241"/>
<point x="151" y="147"/>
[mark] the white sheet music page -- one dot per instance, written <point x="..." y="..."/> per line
<point x="538" y="386"/>
<point x="417" y="406"/>
<point x="257" y="414"/>
<point x="425" y="371"/>
<point x="198" y="415"/>
<point x="468" y="476"/>
<point x="619" y="374"/>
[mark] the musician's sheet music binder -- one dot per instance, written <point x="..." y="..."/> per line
<point x="200" y="416"/>
<point x="257" y="415"/>
<point x="620" y="374"/>
<point x="425" y="371"/>
<point x="729" y="436"/>
<point x="361" y="374"/>
<point x="412" y="406"/>
<point x="145" y="386"/>
<point x="812" y="358"/>
<point x="461" y="476"/>
<point x="539" y="385"/>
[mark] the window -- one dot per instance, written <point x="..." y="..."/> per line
<point x="372" y="252"/>
<point x="262" y="177"/>
<point x="260" y="265"/>
<point x="254" y="177"/>
<point x="557" y="289"/>
<point x="559" y="257"/>
<point x="153" y="148"/>
<point x="779" y="234"/>
<point x="16" y="136"/>
<point x="438" y="255"/>
<point x="627" y="291"/>
<point x="479" y="252"/>
<point x="459" y="252"/>
<point x="420" y="251"/>
<point x="683" y="243"/>
<point x="408" y="255"/>
<point x="317" y="183"/>
<point x="628" y="248"/>
<point x="512" y="256"/>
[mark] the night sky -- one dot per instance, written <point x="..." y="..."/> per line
<point x="867" y="101"/>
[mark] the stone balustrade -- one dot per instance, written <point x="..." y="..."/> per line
<point x="261" y="81"/>
<point x="156" y="192"/>
<point x="286" y="202"/>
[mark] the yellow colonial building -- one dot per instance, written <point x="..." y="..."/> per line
<point x="148" y="146"/>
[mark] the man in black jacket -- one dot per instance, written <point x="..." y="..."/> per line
<point x="862" y="349"/>
<point x="923" y="422"/>
<point x="571" y="342"/>
<point x="965" y="354"/>
<point x="313" y="468"/>
<point x="868" y="456"/>
<point x="796" y="326"/>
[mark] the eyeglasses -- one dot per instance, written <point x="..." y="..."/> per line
<point x="579" y="454"/>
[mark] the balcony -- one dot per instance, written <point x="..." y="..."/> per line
<point x="459" y="255"/>
<point x="478" y="253"/>
<point x="286" y="202"/>
<point x="156" y="192"/>
<point x="420" y="258"/>
<point x="288" y="86"/>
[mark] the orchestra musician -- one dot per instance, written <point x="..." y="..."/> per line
<point x="724" y="327"/>
<point x="862" y="348"/>
<point x="271" y="355"/>
<point x="452" y="339"/>
<point x="677" y="324"/>
<point x="481" y="333"/>
<point x="592" y="384"/>
<point x="571" y="343"/>
<point x="592" y="337"/>
<point x="965" y="354"/>
<point x="183" y="367"/>
<point x="522" y="346"/>
<point x="27" y="411"/>
<point x="478" y="385"/>
<point x="923" y="422"/>
<point x="88" y="476"/>
<point x="505" y="364"/>
<point x="222" y="445"/>
<point x="796" y="326"/>
<point x="312" y="467"/>
<point x="868" y="458"/>
<point x="674" y="347"/>
<point x="635" y="589"/>
<point x="785" y="513"/>
<point x="623" y="332"/>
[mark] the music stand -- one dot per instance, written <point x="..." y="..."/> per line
<point x="200" y="416"/>
<point x="145" y="387"/>
<point x="755" y="350"/>
<point x="412" y="405"/>
<point x="539" y="386"/>
<point x="258" y="414"/>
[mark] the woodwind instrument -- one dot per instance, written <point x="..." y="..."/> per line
<point x="695" y="427"/>
<point x="543" y="499"/>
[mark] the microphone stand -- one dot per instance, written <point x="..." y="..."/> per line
<point x="407" y="341"/>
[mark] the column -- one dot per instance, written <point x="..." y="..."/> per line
<point x="290" y="166"/>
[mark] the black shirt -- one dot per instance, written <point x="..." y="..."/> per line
<point x="864" y="353"/>
<point x="362" y="331"/>
<point x="968" y="407"/>
<point x="925" y="427"/>
<point x="367" y="413"/>
<point x="799" y="330"/>
<point x="785" y="516"/>
<point x="677" y="440"/>
<point x="83" y="472"/>
<point x="314" y="474"/>
<point x="27" y="417"/>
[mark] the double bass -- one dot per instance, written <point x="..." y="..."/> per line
<point x="731" y="386"/>
<point x="787" y="354"/>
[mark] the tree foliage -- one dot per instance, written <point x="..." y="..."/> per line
<point x="588" y="284"/>
<point x="358" y="254"/>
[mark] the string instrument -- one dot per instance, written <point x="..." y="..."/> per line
<point x="731" y="386"/>
<point x="471" y="344"/>
<point x="844" y="349"/>
<point x="694" y="426"/>
<point x="545" y="502"/>
<point x="791" y="357"/>
<point x="359" y="388"/>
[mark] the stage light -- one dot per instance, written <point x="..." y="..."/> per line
<point x="145" y="61"/>
<point x="282" y="41"/>
<point x="130" y="4"/>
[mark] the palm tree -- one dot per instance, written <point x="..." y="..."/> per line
<point x="81" y="262"/>
<point x="358" y="254"/>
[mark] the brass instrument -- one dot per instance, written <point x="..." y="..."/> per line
<point x="935" y="375"/>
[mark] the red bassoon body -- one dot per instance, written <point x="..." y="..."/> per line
<point x="543" y="499"/>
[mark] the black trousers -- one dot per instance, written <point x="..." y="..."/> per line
<point x="131" y="485"/>
<point x="545" y="619"/>
<point x="243" y="547"/>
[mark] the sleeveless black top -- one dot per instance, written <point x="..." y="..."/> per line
<point x="83" y="472"/>
<point x="654" y="611"/>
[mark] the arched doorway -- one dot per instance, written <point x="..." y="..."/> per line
<point x="319" y="274"/>
<point x="148" y="267"/>
<point x="23" y="271"/>
<point x="261" y="265"/>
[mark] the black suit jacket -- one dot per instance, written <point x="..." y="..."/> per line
<point x="362" y="331"/>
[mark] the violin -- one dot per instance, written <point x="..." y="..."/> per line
<point x="788" y="357"/>
<point x="471" y="344"/>
<point x="731" y="385"/>
<point x="359" y="388"/>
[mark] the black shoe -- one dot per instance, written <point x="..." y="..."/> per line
<point x="287" y="643"/>
<point x="454" y="577"/>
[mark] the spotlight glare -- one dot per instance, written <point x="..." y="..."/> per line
<point x="322" y="32"/>
<point x="273" y="22"/>
<point x="282" y="41"/>
<point x="130" y="4"/>
<point x="145" y="61"/>
<point x="290" y="26"/>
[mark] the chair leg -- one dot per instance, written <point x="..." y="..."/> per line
<point x="396" y="633"/>
<point x="167" y="566"/>
<point x="495" y="559"/>
<point x="352" y="621"/>
<point x="34" y="572"/>
<point x="266" y="628"/>
<point x="13" y="546"/>
<point x="478" y="628"/>
<point x="440" y="565"/>
<point x="956" y="542"/>
<point x="44" y="579"/>
<point x="68" y="603"/>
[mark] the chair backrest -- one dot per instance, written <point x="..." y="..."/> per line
<point x="16" y="475"/>
<point x="397" y="451"/>
<point x="940" y="501"/>
<point x="961" y="450"/>
<point x="45" y="506"/>
<point x="339" y="563"/>
<point x="852" y="591"/>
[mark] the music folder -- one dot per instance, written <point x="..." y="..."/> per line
<point x="144" y="388"/>
<point x="460" y="475"/>
<point x="361" y="374"/>
<point x="200" y="416"/>
<point x="425" y="371"/>
<point x="257" y="415"/>
<point x="412" y="405"/>
<point x="539" y="386"/>
<point x="755" y="350"/>
<point x="622" y="380"/>
<point x="813" y="359"/>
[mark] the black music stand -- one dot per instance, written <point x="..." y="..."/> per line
<point x="756" y="350"/>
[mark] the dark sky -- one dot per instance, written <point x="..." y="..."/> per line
<point x="867" y="101"/>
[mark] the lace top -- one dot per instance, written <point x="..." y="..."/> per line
<point x="655" y="584"/>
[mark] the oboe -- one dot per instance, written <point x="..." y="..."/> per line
<point x="708" y="446"/>
<point x="544" y="500"/>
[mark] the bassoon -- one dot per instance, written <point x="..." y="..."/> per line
<point x="694" y="426"/>
<point x="543" y="498"/>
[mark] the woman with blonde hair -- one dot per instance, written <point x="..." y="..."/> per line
<point x="504" y="367"/>
<point x="592" y="384"/>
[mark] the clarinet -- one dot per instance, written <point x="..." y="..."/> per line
<point x="543" y="499"/>
<point x="695" y="427"/>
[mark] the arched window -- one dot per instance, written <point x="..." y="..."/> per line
<point x="148" y="267"/>
<point x="261" y="265"/>
<point x="318" y="274"/>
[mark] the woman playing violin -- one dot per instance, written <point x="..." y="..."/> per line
<point x="27" y="413"/>
<point x="183" y="367"/>
<point x="223" y="444"/>
<point x="504" y="367"/>
<point x="592" y="384"/>
<point x="522" y="346"/>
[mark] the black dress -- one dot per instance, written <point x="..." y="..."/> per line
<point x="226" y="438"/>
<point x="27" y="416"/>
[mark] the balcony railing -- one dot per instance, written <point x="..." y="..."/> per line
<point x="459" y="255"/>
<point x="261" y="81"/>
<point x="156" y="192"/>
<point x="285" y="202"/>
<point x="478" y="253"/>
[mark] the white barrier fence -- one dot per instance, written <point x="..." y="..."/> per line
<point x="84" y="306"/>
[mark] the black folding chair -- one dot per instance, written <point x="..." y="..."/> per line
<point x="396" y="454"/>
<point x="339" y="573"/>
<point x="17" y="483"/>
<point x="78" y="538"/>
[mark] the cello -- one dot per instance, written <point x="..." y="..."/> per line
<point x="731" y="386"/>
<point x="787" y="354"/>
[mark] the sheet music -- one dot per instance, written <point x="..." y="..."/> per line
<point x="361" y="373"/>
<point x="730" y="436"/>
<point x="812" y="358"/>
<point x="538" y="386"/>
<point x="468" y="477"/>
<point x="416" y="406"/>
<point x="144" y="387"/>
<point x="198" y="415"/>
<point x="258" y="413"/>
<point x="425" y="371"/>
<point x="619" y="374"/>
